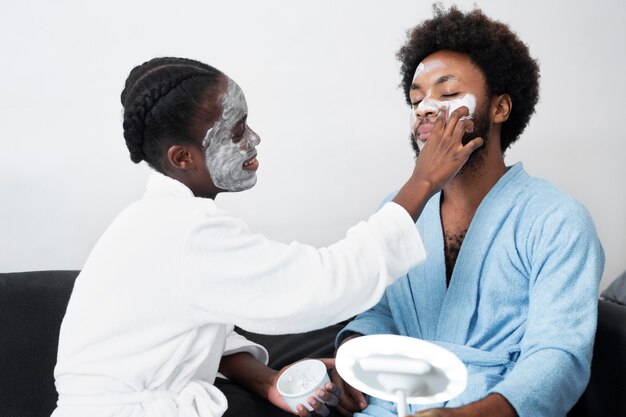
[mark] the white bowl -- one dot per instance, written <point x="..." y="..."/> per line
<point x="300" y="381"/>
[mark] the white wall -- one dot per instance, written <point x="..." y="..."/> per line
<point x="321" y="82"/>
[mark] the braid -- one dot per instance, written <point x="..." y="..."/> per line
<point x="140" y="72"/>
<point x="135" y="115"/>
<point x="156" y="111"/>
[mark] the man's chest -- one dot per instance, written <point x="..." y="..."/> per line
<point x="454" y="229"/>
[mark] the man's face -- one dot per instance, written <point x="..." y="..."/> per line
<point x="447" y="77"/>
<point x="230" y="145"/>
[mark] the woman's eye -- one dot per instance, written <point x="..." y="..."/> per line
<point x="416" y="103"/>
<point x="238" y="134"/>
<point x="450" y="95"/>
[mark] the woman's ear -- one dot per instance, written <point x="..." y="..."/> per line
<point x="501" y="106"/>
<point x="180" y="157"/>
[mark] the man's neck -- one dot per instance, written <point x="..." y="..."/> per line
<point x="468" y="188"/>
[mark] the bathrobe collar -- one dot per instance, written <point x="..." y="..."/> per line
<point x="446" y="314"/>
<point x="454" y="322"/>
<point x="160" y="185"/>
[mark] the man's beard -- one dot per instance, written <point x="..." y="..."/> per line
<point x="481" y="129"/>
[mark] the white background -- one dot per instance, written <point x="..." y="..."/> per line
<point x="321" y="80"/>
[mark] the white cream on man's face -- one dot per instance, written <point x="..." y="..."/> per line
<point x="232" y="165"/>
<point x="431" y="106"/>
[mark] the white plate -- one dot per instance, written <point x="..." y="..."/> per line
<point x="379" y="365"/>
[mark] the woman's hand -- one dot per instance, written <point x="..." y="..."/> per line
<point x="329" y="395"/>
<point x="444" y="153"/>
<point x="351" y="399"/>
<point x="439" y="161"/>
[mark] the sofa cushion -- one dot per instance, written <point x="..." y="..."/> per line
<point x="32" y="306"/>
<point x="616" y="291"/>
<point x="605" y="394"/>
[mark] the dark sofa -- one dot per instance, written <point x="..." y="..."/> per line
<point x="32" y="305"/>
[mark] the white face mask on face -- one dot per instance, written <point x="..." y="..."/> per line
<point x="433" y="106"/>
<point x="225" y="159"/>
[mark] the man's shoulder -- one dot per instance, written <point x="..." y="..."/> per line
<point x="545" y="209"/>
<point x="541" y="195"/>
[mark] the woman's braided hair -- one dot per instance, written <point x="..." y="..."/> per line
<point x="162" y="98"/>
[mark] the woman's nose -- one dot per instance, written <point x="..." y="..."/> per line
<point x="251" y="139"/>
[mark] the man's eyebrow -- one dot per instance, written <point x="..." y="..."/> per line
<point x="440" y="80"/>
<point x="445" y="78"/>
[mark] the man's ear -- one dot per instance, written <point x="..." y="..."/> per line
<point x="501" y="106"/>
<point x="180" y="157"/>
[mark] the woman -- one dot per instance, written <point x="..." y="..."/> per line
<point x="153" y="310"/>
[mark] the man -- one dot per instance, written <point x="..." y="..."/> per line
<point x="513" y="265"/>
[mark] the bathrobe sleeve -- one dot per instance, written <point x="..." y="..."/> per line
<point x="376" y="320"/>
<point x="235" y="276"/>
<point x="565" y="261"/>
<point x="236" y="343"/>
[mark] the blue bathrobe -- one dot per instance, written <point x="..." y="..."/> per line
<point x="521" y="307"/>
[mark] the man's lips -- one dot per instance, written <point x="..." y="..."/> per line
<point x="423" y="131"/>
<point x="251" y="164"/>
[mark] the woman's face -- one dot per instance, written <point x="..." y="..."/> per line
<point x="230" y="145"/>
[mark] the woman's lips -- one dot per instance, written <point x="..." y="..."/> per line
<point x="251" y="164"/>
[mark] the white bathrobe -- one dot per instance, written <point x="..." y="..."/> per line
<point x="153" y="309"/>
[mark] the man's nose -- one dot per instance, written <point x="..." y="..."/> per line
<point x="427" y="108"/>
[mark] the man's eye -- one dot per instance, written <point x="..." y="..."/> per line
<point x="416" y="103"/>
